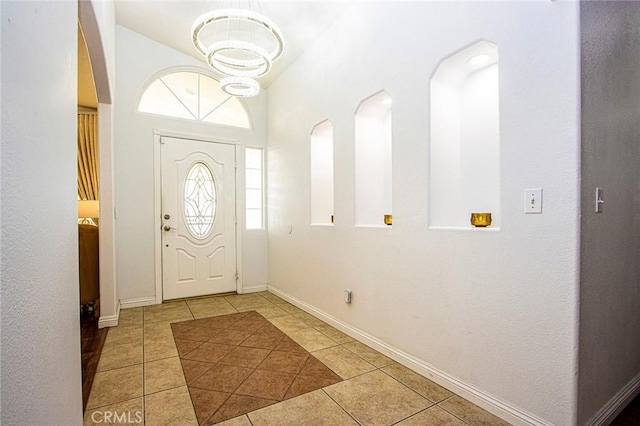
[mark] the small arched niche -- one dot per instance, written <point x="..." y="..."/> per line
<point x="321" y="174"/>
<point x="465" y="138"/>
<point x="373" y="173"/>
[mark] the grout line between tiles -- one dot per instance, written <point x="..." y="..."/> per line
<point x="212" y="414"/>
<point x="341" y="407"/>
<point x="414" y="414"/>
<point x="414" y="390"/>
<point x="118" y="367"/>
<point x="352" y="377"/>
<point x="249" y="419"/>
<point x="447" y="411"/>
<point x="190" y="311"/>
<point x="162" y="390"/>
<point x="111" y="403"/>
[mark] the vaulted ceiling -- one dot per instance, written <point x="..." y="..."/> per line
<point x="169" y="23"/>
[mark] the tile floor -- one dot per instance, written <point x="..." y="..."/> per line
<point x="236" y="363"/>
<point x="141" y="379"/>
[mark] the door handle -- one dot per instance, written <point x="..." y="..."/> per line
<point x="168" y="228"/>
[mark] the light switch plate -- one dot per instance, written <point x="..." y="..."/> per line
<point x="599" y="200"/>
<point x="533" y="200"/>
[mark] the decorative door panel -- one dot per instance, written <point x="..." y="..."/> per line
<point x="198" y="218"/>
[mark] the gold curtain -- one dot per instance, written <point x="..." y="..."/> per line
<point x="87" y="156"/>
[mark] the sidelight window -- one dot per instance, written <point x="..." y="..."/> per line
<point x="254" y="188"/>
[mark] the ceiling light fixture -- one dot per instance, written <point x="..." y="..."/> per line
<point x="479" y="59"/>
<point x="238" y="43"/>
<point x="243" y="87"/>
<point x="229" y="65"/>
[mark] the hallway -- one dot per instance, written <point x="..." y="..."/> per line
<point x="141" y="374"/>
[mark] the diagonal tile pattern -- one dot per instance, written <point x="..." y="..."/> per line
<point x="364" y="397"/>
<point x="255" y="359"/>
<point x="240" y="362"/>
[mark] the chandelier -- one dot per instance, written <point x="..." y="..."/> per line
<point x="240" y="45"/>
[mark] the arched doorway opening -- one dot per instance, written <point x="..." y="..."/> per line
<point x="109" y="306"/>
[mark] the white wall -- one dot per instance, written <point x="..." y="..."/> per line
<point x="40" y="367"/>
<point x="496" y="310"/>
<point x="610" y="241"/>
<point x="138" y="60"/>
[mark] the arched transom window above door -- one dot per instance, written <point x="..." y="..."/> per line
<point x="194" y="96"/>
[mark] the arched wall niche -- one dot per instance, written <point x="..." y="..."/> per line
<point x="321" y="174"/>
<point x="465" y="138"/>
<point x="373" y="162"/>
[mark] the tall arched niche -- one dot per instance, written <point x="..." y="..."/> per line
<point x="465" y="138"/>
<point x="321" y="174"/>
<point x="373" y="173"/>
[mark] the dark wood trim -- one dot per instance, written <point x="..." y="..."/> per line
<point x="92" y="340"/>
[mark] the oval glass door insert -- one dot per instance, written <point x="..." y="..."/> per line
<point x="199" y="200"/>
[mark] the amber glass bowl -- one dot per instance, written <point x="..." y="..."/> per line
<point x="481" y="220"/>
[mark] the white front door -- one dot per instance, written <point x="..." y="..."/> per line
<point x="198" y="218"/>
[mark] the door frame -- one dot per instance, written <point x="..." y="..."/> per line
<point x="109" y="299"/>
<point x="157" y="212"/>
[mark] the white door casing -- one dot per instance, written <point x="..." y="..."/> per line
<point x="198" y="218"/>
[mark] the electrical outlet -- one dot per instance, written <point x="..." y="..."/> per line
<point x="533" y="200"/>
<point x="347" y="296"/>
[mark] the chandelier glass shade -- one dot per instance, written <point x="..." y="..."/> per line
<point x="243" y="87"/>
<point x="238" y="58"/>
<point x="238" y="43"/>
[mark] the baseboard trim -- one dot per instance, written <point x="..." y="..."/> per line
<point x="110" y="320"/>
<point x="254" y="288"/>
<point x="138" y="302"/>
<point x="496" y="406"/>
<point x="620" y="400"/>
